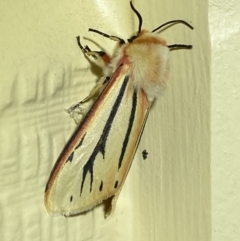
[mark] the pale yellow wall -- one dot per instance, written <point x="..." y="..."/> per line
<point x="165" y="197"/>
<point x="224" y="22"/>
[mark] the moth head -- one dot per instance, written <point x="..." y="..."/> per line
<point x="144" y="35"/>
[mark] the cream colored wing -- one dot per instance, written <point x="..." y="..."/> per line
<point x="96" y="160"/>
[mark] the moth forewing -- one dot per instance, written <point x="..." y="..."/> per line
<point x="94" y="168"/>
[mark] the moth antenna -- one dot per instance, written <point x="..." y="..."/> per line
<point x="179" y="46"/>
<point x="173" y="22"/>
<point x="138" y="15"/>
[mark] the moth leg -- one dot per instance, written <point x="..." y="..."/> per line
<point x="97" y="55"/>
<point x="103" y="60"/>
<point x="114" y="38"/>
<point x="102" y="57"/>
<point x="93" y="94"/>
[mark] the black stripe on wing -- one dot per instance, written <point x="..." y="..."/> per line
<point x="70" y="158"/>
<point x="130" y="124"/>
<point x="100" y="147"/>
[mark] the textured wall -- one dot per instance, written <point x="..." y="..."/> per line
<point x="224" y="22"/>
<point x="42" y="71"/>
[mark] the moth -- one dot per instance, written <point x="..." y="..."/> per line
<point x="94" y="164"/>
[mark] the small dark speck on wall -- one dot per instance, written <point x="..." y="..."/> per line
<point x="144" y="154"/>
